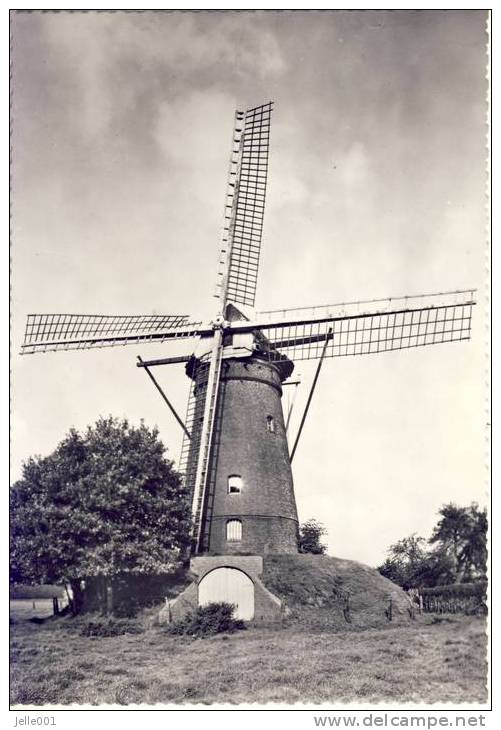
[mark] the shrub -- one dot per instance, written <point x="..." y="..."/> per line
<point x="310" y="535"/>
<point x="214" y="618"/>
<point x="110" y="627"/>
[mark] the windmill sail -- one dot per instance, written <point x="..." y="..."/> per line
<point x="205" y="445"/>
<point x="361" y="328"/>
<point x="190" y="449"/>
<point x="191" y="446"/>
<point x="245" y="206"/>
<point x="46" y="332"/>
<point x="239" y="263"/>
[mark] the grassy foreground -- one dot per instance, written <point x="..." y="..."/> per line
<point x="426" y="660"/>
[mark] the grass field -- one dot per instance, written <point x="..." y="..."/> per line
<point x="31" y="608"/>
<point x="428" y="660"/>
<point x="34" y="607"/>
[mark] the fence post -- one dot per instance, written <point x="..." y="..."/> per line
<point x="390" y="610"/>
<point x="109" y="596"/>
<point x="346" y="609"/>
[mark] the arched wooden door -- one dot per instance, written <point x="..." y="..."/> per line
<point x="229" y="585"/>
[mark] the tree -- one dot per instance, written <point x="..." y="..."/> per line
<point x="475" y="549"/>
<point x="103" y="503"/>
<point x="461" y="536"/>
<point x="310" y="534"/>
<point x="459" y="552"/>
<point x="406" y="563"/>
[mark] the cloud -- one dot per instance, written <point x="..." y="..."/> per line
<point x="195" y="128"/>
<point x="193" y="135"/>
<point x="354" y="167"/>
<point x="289" y="179"/>
<point x="117" y="61"/>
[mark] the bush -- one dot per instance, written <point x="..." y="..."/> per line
<point x="214" y="618"/>
<point x="110" y="627"/>
<point x="310" y="535"/>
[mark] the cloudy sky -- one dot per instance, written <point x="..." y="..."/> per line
<point x="121" y="133"/>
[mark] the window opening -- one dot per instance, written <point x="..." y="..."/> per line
<point x="234" y="530"/>
<point x="234" y="484"/>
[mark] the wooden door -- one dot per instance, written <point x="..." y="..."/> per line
<point x="229" y="585"/>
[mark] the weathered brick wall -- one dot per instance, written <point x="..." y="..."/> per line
<point x="250" y="393"/>
<point x="261" y="535"/>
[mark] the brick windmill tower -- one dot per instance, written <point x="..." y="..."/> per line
<point x="235" y="456"/>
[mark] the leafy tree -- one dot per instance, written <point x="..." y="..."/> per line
<point x="104" y="502"/>
<point x="456" y="551"/>
<point x="461" y="536"/>
<point x="310" y="534"/>
<point x="406" y="562"/>
<point x="475" y="549"/>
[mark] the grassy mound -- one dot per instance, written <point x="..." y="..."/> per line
<point x="321" y="591"/>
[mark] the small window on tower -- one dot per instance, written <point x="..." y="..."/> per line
<point x="234" y="530"/>
<point x="270" y="424"/>
<point x="234" y="484"/>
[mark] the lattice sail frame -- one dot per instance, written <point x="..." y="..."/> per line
<point x="363" y="328"/>
<point x="244" y="209"/>
<point x="46" y="332"/>
<point x="239" y="264"/>
<point x="190" y="447"/>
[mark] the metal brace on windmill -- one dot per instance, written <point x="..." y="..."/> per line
<point x="235" y="455"/>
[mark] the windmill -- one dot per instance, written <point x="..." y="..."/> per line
<point x="235" y="455"/>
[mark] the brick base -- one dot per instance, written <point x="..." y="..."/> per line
<point x="260" y="534"/>
<point x="267" y="607"/>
